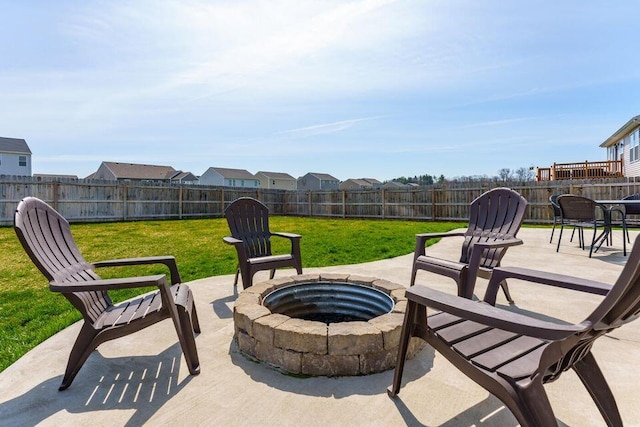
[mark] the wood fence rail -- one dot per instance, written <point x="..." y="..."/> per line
<point x="100" y="201"/>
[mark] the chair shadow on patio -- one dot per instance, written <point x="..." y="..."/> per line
<point x="490" y="412"/>
<point x="336" y="387"/>
<point x="143" y="390"/>
<point x="221" y="307"/>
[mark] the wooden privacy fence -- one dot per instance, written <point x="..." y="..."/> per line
<point x="94" y="201"/>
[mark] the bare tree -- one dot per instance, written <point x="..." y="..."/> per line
<point x="524" y="174"/>
<point x="504" y="174"/>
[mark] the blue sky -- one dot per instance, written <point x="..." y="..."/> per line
<point x="362" y="88"/>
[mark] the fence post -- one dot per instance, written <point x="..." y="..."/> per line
<point x="384" y="202"/>
<point x="180" y="202"/>
<point x="310" y="204"/>
<point x="222" y="201"/>
<point x="344" y="204"/>
<point x="56" y="195"/>
<point x="124" y="202"/>
<point x="433" y="204"/>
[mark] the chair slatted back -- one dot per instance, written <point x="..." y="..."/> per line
<point x="248" y="221"/>
<point x="493" y="216"/>
<point x="46" y="237"/>
<point x="577" y="208"/>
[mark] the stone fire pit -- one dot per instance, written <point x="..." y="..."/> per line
<point x="315" y="348"/>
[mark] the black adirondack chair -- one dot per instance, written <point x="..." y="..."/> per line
<point x="513" y="355"/>
<point x="248" y="221"/>
<point x="495" y="218"/>
<point x="46" y="237"/>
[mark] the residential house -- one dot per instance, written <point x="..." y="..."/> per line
<point x="318" y="181"/>
<point x="116" y="171"/>
<point x="229" y="178"/>
<point x="623" y="146"/>
<point x="184" y="178"/>
<point x="276" y="180"/>
<point x="54" y="177"/>
<point x="15" y="157"/>
<point x="360" y="184"/>
<point x="392" y="185"/>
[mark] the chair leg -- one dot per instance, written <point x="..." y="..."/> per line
<point x="195" y="323"/>
<point x="187" y="341"/>
<point x="405" y="336"/>
<point x="591" y="376"/>
<point x="235" y="281"/>
<point x="593" y="242"/>
<point x="272" y="273"/>
<point x="531" y="406"/>
<point x="414" y="271"/>
<point x="82" y="348"/>
<point x="560" y="237"/>
<point x="505" y="289"/>
<point x="553" y="229"/>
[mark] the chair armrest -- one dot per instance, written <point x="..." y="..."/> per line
<point x="286" y="235"/>
<point x="421" y="240"/>
<point x="169" y="261"/>
<point x="231" y="240"/>
<point x="475" y="257"/>
<point x="542" y="277"/>
<point x="492" y="316"/>
<point x="109" y="284"/>
<point x="295" y="242"/>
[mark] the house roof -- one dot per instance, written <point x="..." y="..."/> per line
<point x="395" y="184"/>
<point x="234" y="173"/>
<point x="182" y="175"/>
<point x="372" y="180"/>
<point x="14" y="145"/>
<point x="137" y="171"/>
<point x="361" y="182"/>
<point x="323" y="176"/>
<point x="625" y="129"/>
<point x="277" y="175"/>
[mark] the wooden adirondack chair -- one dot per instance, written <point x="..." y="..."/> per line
<point x="46" y="237"/>
<point x="248" y="221"/>
<point x="512" y="355"/>
<point x="495" y="218"/>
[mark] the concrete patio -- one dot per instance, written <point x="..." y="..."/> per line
<point x="151" y="385"/>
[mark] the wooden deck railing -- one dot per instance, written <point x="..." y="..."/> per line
<point x="581" y="170"/>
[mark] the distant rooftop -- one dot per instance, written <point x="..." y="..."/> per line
<point x="138" y="171"/>
<point x="14" y="145"/>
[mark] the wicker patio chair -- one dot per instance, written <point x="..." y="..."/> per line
<point x="582" y="212"/>
<point x="513" y="355"/>
<point x="46" y="237"/>
<point x="495" y="218"/>
<point x="248" y="221"/>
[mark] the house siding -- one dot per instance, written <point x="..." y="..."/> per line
<point x="12" y="152"/>
<point x="235" y="178"/>
<point x="211" y="177"/>
<point x="274" y="182"/>
<point x="10" y="164"/>
<point x="312" y="181"/>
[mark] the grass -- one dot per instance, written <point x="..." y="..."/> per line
<point x="30" y="313"/>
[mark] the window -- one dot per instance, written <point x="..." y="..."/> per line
<point x="22" y="161"/>
<point x="632" y="141"/>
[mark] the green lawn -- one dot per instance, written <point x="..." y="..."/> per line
<point x="30" y="313"/>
